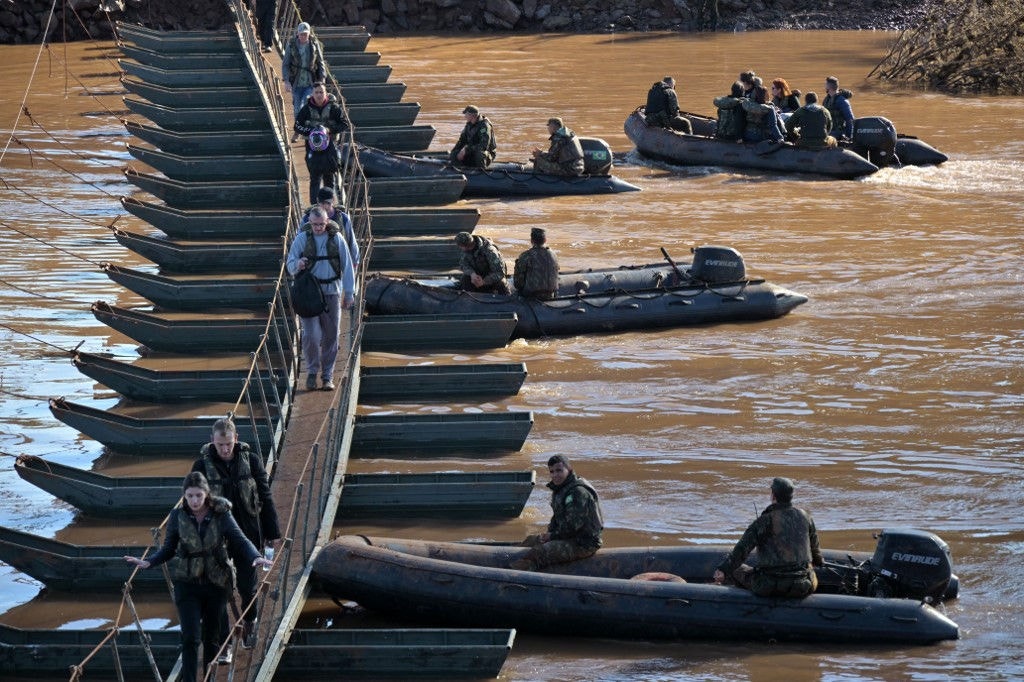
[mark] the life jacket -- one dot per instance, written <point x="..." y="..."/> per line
<point x="204" y="557"/>
<point x="309" y="250"/>
<point x="246" y="491"/>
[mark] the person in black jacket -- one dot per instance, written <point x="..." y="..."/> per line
<point x="321" y="120"/>
<point x="662" y="109"/>
<point x="202" y="539"/>
<point x="236" y="473"/>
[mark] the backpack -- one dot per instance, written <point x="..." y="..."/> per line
<point x="307" y="296"/>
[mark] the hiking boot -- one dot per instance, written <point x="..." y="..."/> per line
<point x="311" y="382"/>
<point x="328" y="385"/>
<point x="226" y="657"/>
<point x="249" y="633"/>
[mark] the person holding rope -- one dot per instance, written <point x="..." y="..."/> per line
<point x="236" y="473"/>
<point x="203" y="544"/>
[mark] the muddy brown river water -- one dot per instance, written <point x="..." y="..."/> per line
<point x="893" y="398"/>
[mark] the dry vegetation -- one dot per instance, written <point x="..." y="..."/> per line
<point x="962" y="46"/>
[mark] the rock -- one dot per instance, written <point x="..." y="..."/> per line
<point x="543" y="12"/>
<point x="529" y="7"/>
<point x="506" y="10"/>
<point x="387" y="7"/>
<point x="8" y="20"/>
<point x="556" y="22"/>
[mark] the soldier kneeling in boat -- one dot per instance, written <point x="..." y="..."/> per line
<point x="576" y="522"/>
<point x="787" y="545"/>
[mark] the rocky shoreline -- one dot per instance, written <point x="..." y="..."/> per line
<point x="26" y="21"/>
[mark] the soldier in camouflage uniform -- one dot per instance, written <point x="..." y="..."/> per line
<point x="662" y="108"/>
<point x="202" y="539"/>
<point x="787" y="546"/>
<point x="536" y="271"/>
<point x="476" y="146"/>
<point x="576" y="523"/>
<point x="483" y="268"/>
<point x="564" y="156"/>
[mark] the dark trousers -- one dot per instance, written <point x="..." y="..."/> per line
<point x="200" y="606"/>
<point x="318" y="180"/>
<point x="265" y="11"/>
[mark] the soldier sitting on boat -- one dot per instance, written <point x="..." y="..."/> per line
<point x="811" y="123"/>
<point x="564" y="156"/>
<point x="483" y="268"/>
<point x="662" y="109"/>
<point x="476" y="146"/>
<point x="732" y="120"/>
<point x="787" y="546"/>
<point x="574" y="531"/>
<point x="536" y="271"/>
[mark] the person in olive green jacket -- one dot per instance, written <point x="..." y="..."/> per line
<point x="201" y="541"/>
<point x="787" y="550"/>
<point x="574" y="531"/>
<point x="812" y="122"/>
<point x="476" y="146"/>
<point x="732" y="120"/>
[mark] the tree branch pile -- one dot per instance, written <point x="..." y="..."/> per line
<point x="961" y="46"/>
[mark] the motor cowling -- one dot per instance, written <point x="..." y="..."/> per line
<point x="874" y="138"/>
<point x="597" y="156"/>
<point x="911" y="564"/>
<point x="717" y="265"/>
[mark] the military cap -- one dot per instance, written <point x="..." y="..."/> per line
<point x="782" y="489"/>
<point x="463" y="239"/>
<point x="555" y="121"/>
<point x="471" y="110"/>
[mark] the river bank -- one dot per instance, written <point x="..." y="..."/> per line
<point x="26" y="21"/>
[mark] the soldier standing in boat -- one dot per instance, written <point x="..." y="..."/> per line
<point x="536" y="270"/>
<point x="483" y="268"/>
<point x="201" y="541"/>
<point x="787" y="546"/>
<point x="564" y="156"/>
<point x="574" y="531"/>
<point x="837" y="102"/>
<point x="476" y="146"/>
<point x="662" y="109"/>
<point x="236" y="473"/>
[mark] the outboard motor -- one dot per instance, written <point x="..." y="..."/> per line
<point x="717" y="265"/>
<point x="912" y="564"/>
<point x="597" y="156"/>
<point x="874" y="138"/>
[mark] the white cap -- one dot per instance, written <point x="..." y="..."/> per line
<point x="302" y="28"/>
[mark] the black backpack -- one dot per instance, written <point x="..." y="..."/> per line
<point x="307" y="296"/>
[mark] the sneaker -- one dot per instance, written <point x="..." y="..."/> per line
<point x="311" y="382"/>
<point x="328" y="385"/>
<point x="226" y="657"/>
<point x="249" y="632"/>
<point x="267" y="48"/>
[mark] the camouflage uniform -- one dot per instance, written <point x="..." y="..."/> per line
<point x="536" y="273"/>
<point x="814" y="123"/>
<point x="732" y="120"/>
<point x="787" y="544"/>
<point x="662" y="109"/>
<point x="564" y="157"/>
<point x="478" y="140"/>
<point x="575" y="527"/>
<point x="762" y="122"/>
<point x="485" y="260"/>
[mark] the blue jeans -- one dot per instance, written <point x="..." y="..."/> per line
<point x="299" y="97"/>
<point x="320" y="339"/>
